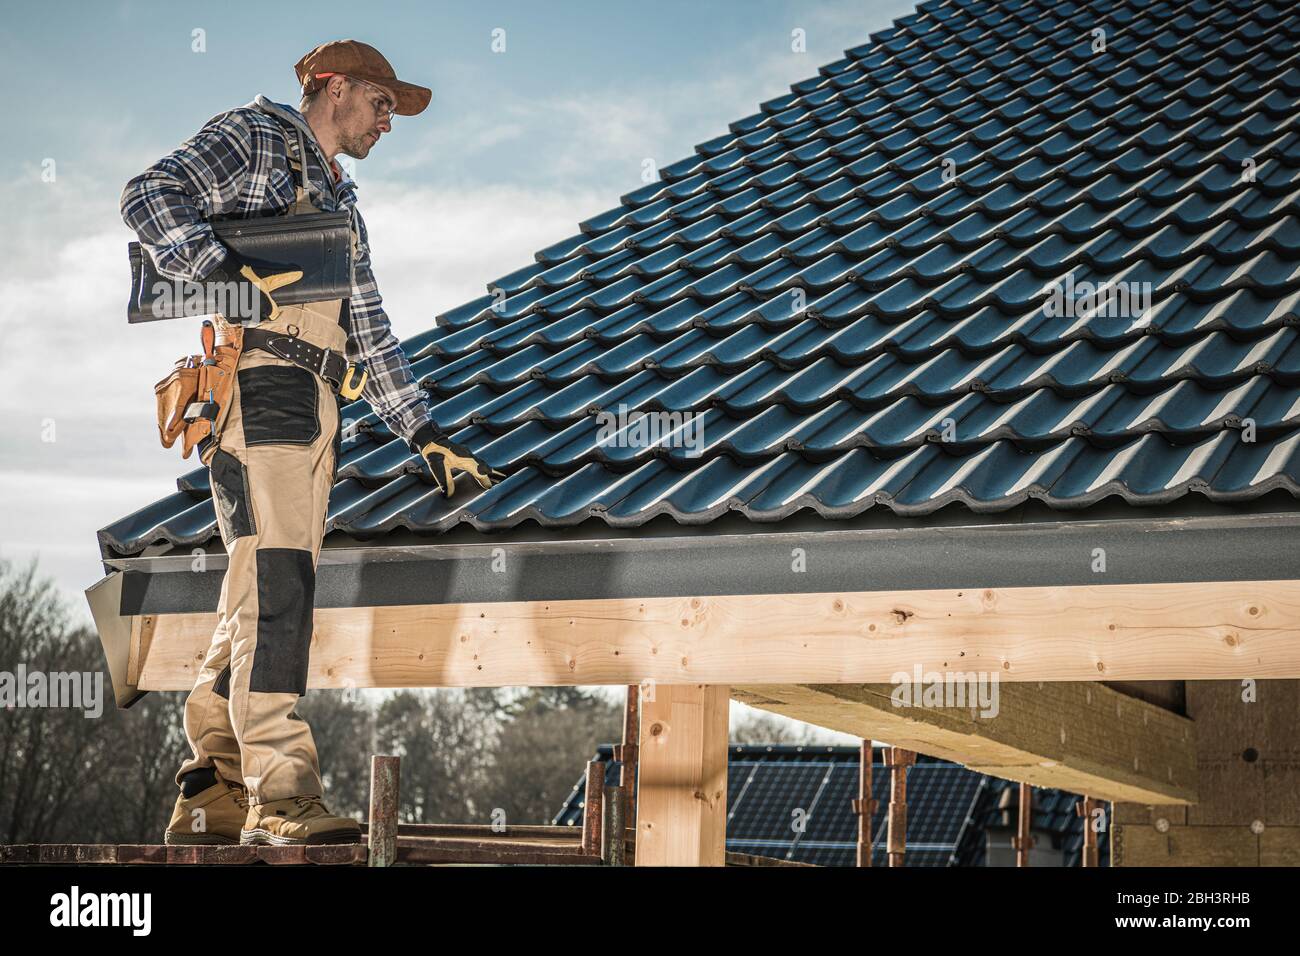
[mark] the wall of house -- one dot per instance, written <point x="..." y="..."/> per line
<point x="999" y="850"/>
<point x="1248" y="770"/>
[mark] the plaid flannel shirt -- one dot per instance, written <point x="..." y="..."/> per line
<point x="237" y="166"/>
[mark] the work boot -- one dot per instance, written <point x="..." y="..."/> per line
<point x="295" y="821"/>
<point x="222" y="809"/>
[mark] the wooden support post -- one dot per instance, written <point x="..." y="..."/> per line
<point x="626" y="754"/>
<point x="1084" y="808"/>
<point x="864" y="806"/>
<point x="593" y="801"/>
<point x="1022" y="841"/>
<point x="682" y="801"/>
<point x="614" y="832"/>
<point x="898" y="760"/>
<point x="385" y="774"/>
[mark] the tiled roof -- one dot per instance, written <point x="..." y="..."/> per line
<point x="849" y="287"/>
<point x="1054" y="818"/>
<point x="949" y="808"/>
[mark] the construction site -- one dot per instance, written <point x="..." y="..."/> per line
<point x="973" y="362"/>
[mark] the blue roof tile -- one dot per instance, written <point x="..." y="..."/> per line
<point x="850" y="285"/>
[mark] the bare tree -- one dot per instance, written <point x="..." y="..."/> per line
<point x="756" y="727"/>
<point x="343" y="727"/>
<point x="445" y="740"/>
<point x="466" y="754"/>
<point x="543" y="747"/>
<point x="49" y="756"/>
<point x="136" y="783"/>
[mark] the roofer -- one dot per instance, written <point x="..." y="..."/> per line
<point x="273" y="443"/>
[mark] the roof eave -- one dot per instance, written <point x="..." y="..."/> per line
<point x="1148" y="546"/>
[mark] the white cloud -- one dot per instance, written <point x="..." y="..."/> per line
<point x="71" y="358"/>
<point x="598" y="138"/>
<point x="72" y="362"/>
<point x="61" y="509"/>
<point x="436" y="249"/>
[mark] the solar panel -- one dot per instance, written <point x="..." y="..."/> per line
<point x="794" y="803"/>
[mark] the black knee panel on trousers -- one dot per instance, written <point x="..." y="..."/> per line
<point x="279" y="405"/>
<point x="230" y="495"/>
<point x="338" y="449"/>
<point x="286" y="591"/>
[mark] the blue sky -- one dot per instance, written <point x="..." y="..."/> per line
<point x="516" y="148"/>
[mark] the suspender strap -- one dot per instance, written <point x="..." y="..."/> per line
<point x="302" y="158"/>
<point x="299" y="154"/>
<point x="297" y="151"/>
<point x="326" y="363"/>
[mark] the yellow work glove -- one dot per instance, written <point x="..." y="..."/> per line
<point x="444" y="456"/>
<point x="233" y="270"/>
<point x="268" y="284"/>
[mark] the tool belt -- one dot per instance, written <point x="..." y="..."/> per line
<point x="192" y="395"/>
<point x="190" y="399"/>
<point x="326" y="363"/>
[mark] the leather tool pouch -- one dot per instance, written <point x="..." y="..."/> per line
<point x="174" y="394"/>
<point x="193" y="402"/>
<point x="216" y="388"/>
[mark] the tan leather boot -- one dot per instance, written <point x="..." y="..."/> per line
<point x="295" y="821"/>
<point x="211" y="817"/>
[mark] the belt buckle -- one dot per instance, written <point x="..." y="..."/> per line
<point x="324" y="357"/>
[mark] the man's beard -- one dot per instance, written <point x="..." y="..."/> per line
<point x="357" y="148"/>
<point x="358" y="145"/>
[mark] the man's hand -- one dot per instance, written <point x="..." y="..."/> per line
<point x="255" y="287"/>
<point x="265" y="286"/>
<point x="444" y="456"/>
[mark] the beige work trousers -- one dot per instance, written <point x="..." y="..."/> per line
<point x="272" y="463"/>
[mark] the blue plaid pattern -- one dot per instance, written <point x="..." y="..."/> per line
<point x="237" y="167"/>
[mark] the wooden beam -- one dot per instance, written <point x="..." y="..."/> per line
<point x="1092" y="633"/>
<point x="682" y="802"/>
<point x="1080" y="737"/>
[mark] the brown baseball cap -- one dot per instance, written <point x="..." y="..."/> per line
<point x="362" y="61"/>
